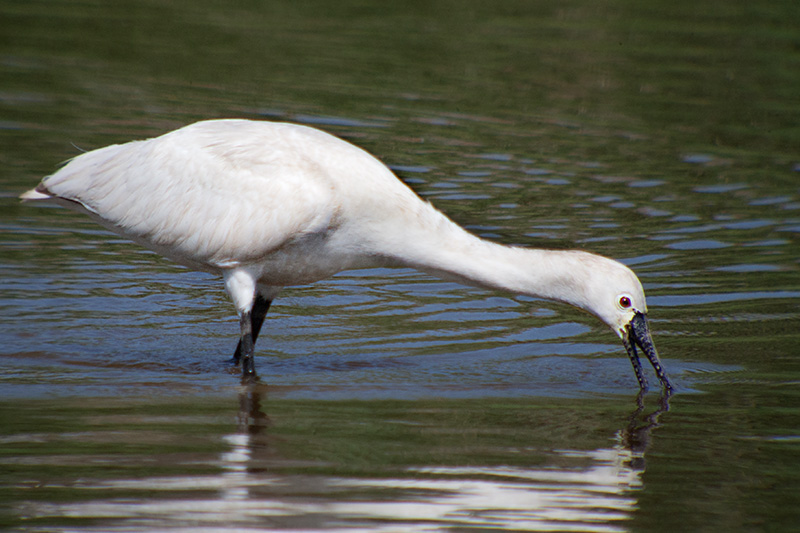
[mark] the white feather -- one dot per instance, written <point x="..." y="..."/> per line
<point x="268" y="205"/>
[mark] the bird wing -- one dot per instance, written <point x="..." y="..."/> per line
<point x="214" y="194"/>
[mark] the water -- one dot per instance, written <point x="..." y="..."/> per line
<point x="663" y="136"/>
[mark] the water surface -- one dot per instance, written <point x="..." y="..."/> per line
<point x="392" y="401"/>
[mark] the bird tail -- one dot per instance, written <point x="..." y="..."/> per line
<point x="39" y="193"/>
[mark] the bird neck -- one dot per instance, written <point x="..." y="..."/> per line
<point x="442" y="248"/>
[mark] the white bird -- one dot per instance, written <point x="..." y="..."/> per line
<point x="268" y="205"/>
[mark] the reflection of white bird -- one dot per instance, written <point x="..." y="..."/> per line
<point x="268" y="205"/>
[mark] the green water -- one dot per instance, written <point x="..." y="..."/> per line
<point x="663" y="135"/>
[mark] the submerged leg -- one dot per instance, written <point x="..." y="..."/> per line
<point x="242" y="286"/>
<point x="247" y="346"/>
<point x="257" y="315"/>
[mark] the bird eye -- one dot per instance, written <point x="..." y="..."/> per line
<point x="624" y="302"/>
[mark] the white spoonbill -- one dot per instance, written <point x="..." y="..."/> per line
<point x="268" y="205"/>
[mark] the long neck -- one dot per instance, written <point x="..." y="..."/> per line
<point x="439" y="246"/>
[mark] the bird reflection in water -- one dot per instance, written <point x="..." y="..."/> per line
<point x="597" y="493"/>
<point x="636" y="437"/>
<point x="249" y="437"/>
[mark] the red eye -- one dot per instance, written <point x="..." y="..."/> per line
<point x="624" y="302"/>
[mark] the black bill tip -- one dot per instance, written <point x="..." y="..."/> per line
<point x="637" y="333"/>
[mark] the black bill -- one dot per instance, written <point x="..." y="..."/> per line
<point x="637" y="333"/>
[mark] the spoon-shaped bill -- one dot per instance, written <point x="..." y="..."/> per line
<point x="637" y="333"/>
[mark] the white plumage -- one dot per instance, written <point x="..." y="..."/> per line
<point x="268" y="205"/>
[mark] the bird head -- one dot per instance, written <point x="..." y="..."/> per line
<point x="615" y="295"/>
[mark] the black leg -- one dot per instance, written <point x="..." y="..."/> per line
<point x="255" y="320"/>
<point x="246" y="347"/>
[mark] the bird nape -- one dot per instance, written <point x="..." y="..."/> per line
<point x="268" y="205"/>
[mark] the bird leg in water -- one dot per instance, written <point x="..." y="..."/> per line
<point x="247" y="347"/>
<point x="250" y="323"/>
<point x="257" y="314"/>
